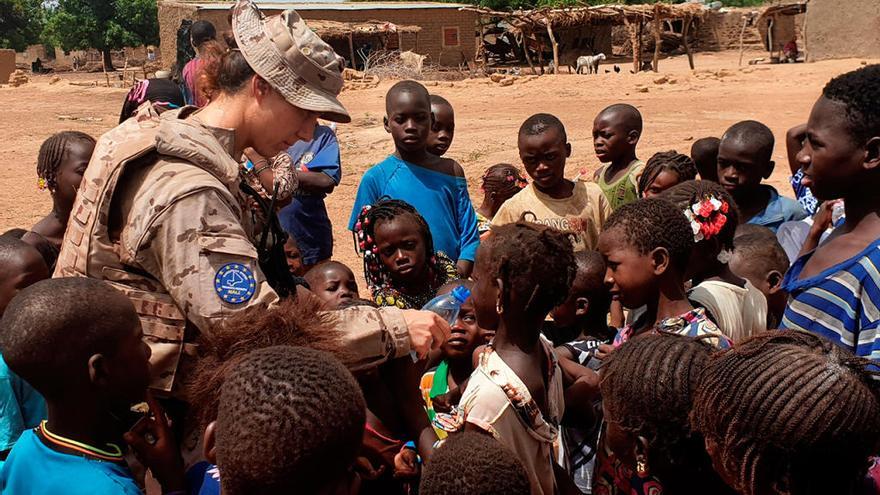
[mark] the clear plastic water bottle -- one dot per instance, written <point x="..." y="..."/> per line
<point x="447" y="306"/>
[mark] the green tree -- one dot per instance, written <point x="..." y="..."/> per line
<point x="103" y="24"/>
<point x="21" y="22"/>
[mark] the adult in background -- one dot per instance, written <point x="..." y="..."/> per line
<point x="163" y="93"/>
<point x="200" y="33"/>
<point x="316" y="165"/>
<point x="161" y="215"/>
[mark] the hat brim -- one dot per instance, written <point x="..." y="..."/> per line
<point x="267" y="62"/>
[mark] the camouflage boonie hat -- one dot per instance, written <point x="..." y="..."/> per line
<point x="291" y="58"/>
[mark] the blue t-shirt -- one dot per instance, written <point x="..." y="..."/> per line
<point x="21" y="407"/>
<point x="33" y="468"/>
<point x="442" y="199"/>
<point x="305" y="218"/>
<point x="840" y="304"/>
<point x="778" y="211"/>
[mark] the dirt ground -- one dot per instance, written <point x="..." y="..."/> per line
<point x="689" y="106"/>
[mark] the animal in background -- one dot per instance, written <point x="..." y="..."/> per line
<point x="589" y="62"/>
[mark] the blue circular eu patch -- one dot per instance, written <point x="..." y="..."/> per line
<point x="235" y="283"/>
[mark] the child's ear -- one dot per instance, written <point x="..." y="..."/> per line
<point x="98" y="371"/>
<point x="660" y="260"/>
<point x="568" y="150"/>
<point x="385" y="124"/>
<point x="769" y="171"/>
<point x="209" y="443"/>
<point x="581" y="306"/>
<point x="633" y="136"/>
<point x="774" y="281"/>
<point x="872" y="153"/>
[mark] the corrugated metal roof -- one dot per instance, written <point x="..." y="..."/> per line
<point x="336" y="5"/>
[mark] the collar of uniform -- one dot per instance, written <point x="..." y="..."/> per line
<point x="183" y="135"/>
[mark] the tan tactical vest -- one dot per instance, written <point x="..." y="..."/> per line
<point x="89" y="251"/>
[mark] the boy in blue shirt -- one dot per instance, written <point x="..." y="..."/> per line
<point x="744" y="160"/>
<point x="79" y="343"/>
<point x="834" y="291"/>
<point x="435" y="186"/>
<point x="316" y="164"/>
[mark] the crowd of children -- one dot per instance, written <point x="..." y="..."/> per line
<point x="638" y="331"/>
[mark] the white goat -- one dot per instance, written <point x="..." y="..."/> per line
<point x="591" y="63"/>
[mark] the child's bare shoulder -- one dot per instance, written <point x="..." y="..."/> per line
<point x="445" y="166"/>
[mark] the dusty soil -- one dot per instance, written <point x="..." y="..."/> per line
<point x="689" y="106"/>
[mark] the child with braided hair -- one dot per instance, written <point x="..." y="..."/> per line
<point x="789" y="413"/>
<point x="647" y="246"/>
<point x="400" y="264"/>
<point x="523" y="271"/>
<point x="732" y="302"/>
<point x="647" y="446"/>
<point x="664" y="170"/>
<point x="61" y="163"/>
<point x="500" y="182"/>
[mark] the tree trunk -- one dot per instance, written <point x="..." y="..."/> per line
<point x="108" y="60"/>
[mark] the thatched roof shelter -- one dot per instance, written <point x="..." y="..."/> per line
<point x="525" y="22"/>
<point x="342" y="30"/>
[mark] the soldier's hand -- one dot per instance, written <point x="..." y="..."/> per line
<point x="427" y="331"/>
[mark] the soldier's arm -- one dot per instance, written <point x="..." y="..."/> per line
<point x="197" y="248"/>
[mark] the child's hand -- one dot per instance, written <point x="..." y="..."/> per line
<point x="155" y="446"/>
<point x="603" y="351"/>
<point x="406" y="464"/>
<point x="365" y="469"/>
<point x="444" y="403"/>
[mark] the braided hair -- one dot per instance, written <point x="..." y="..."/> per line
<point x="535" y="261"/>
<point x="789" y="412"/>
<point x="717" y="216"/>
<point x="673" y="161"/>
<point x="377" y="276"/>
<point x="647" y="389"/>
<point x="503" y="179"/>
<point x="52" y="153"/>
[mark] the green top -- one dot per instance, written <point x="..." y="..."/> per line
<point x="625" y="189"/>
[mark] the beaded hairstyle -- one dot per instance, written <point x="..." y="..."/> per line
<point x="52" y="153"/>
<point x="378" y="277"/>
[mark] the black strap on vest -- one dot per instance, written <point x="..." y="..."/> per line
<point x="273" y="261"/>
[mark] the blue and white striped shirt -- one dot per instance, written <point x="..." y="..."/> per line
<point x="840" y="304"/>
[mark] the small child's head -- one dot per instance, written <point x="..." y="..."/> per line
<point x="501" y="182"/>
<point x="408" y="116"/>
<point x="643" y="244"/>
<point x="616" y="132"/>
<point x="523" y="270"/>
<point x="61" y="164"/>
<point x="466" y="335"/>
<point x="841" y="153"/>
<point x="713" y="216"/>
<point x="789" y="412"/>
<point x="543" y="149"/>
<point x="396" y="243"/>
<point x="588" y="299"/>
<point x="759" y="258"/>
<point x="333" y="283"/>
<point x="291" y="322"/>
<point x="705" y="155"/>
<point x="472" y="462"/>
<point x="294" y="257"/>
<point x="664" y="170"/>
<point x="647" y="394"/>
<point x="443" y="128"/>
<point x="745" y="157"/>
<point x="290" y="420"/>
<point x="21" y="266"/>
<point x="75" y="340"/>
